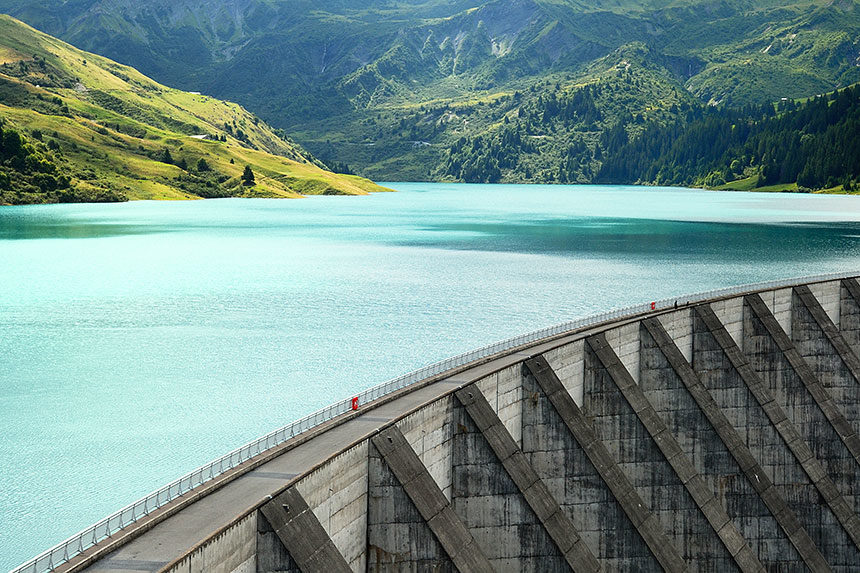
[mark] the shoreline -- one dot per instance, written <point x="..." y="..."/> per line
<point x="382" y="188"/>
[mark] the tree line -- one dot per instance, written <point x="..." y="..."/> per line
<point x="564" y="137"/>
<point x="813" y="144"/>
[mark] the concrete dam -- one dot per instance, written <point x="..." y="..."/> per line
<point x="705" y="435"/>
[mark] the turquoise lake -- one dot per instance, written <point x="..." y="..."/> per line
<point x="140" y="340"/>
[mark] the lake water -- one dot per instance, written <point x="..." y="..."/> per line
<point x="140" y="340"/>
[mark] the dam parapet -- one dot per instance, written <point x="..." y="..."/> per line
<point x="709" y="433"/>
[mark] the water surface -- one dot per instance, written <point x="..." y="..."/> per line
<point x="140" y="340"/>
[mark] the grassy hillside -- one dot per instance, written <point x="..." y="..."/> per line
<point x="115" y="134"/>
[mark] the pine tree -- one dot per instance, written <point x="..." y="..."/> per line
<point x="248" y="176"/>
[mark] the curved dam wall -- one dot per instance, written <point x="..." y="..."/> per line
<point x="719" y="436"/>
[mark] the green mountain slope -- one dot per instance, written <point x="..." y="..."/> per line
<point x="557" y="133"/>
<point x="811" y="145"/>
<point x="389" y="86"/>
<point x="104" y="131"/>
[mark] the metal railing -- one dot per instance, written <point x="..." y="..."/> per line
<point x="110" y="525"/>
